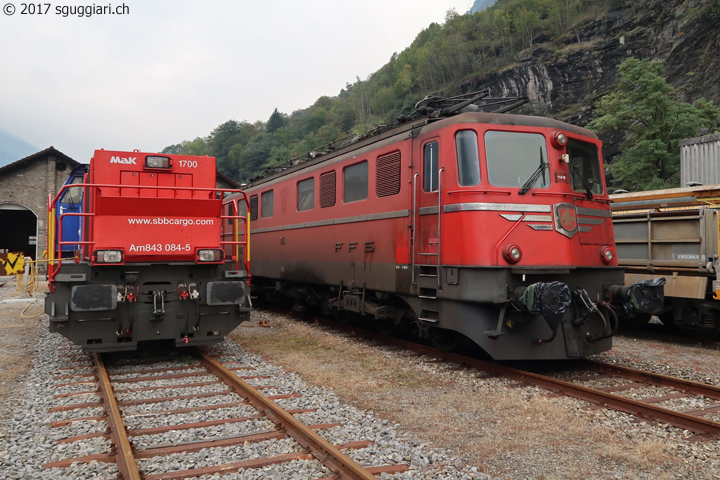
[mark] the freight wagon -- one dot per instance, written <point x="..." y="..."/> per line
<point x="674" y="234"/>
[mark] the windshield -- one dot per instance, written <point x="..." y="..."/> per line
<point x="513" y="157"/>
<point x="584" y="167"/>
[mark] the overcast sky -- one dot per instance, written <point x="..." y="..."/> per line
<point x="167" y="71"/>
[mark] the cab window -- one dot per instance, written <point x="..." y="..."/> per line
<point x="430" y="167"/>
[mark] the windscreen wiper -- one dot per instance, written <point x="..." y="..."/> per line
<point x="536" y="175"/>
<point x="588" y="191"/>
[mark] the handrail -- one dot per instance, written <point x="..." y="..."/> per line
<point x="237" y="242"/>
<point x="439" y="279"/>
<point x="147" y="187"/>
<point x="55" y="227"/>
<point x="414" y="227"/>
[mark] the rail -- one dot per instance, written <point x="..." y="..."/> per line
<point x="341" y="465"/>
<point x="691" y="421"/>
<point x="126" y="453"/>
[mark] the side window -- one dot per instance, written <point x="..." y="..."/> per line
<point x="355" y="182"/>
<point x="387" y="181"/>
<point x="306" y="194"/>
<point x="241" y="209"/>
<point x="327" y="189"/>
<point x="468" y="158"/>
<point x="585" y="170"/>
<point x="253" y="207"/>
<point x="242" y="212"/>
<point x="430" y="167"/>
<point x="267" y="204"/>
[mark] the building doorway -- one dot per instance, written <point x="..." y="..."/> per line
<point x="18" y="230"/>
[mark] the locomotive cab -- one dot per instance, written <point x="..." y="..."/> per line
<point x="507" y="203"/>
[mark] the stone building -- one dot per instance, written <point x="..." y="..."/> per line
<point x="24" y="189"/>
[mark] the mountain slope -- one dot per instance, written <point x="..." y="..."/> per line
<point x="13" y="148"/>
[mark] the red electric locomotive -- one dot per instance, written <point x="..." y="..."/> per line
<point x="464" y="223"/>
<point x="150" y="262"/>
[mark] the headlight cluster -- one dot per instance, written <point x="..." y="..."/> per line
<point x="108" y="256"/>
<point x="210" y="255"/>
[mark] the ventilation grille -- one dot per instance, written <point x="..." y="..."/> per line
<point x="327" y="189"/>
<point x="388" y="175"/>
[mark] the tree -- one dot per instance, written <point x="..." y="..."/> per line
<point x="527" y="21"/>
<point x="276" y="120"/>
<point x="653" y="119"/>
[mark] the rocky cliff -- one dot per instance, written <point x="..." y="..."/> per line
<point x="563" y="78"/>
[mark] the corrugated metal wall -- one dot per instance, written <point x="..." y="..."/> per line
<point x="700" y="160"/>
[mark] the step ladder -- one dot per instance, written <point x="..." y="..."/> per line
<point x="428" y="287"/>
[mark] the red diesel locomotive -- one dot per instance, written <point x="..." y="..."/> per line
<point x="463" y="223"/>
<point x="149" y="262"/>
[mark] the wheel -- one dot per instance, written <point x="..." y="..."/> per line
<point x="385" y="326"/>
<point x="667" y="318"/>
<point x="637" y="321"/>
<point x="448" y="340"/>
<point x="342" y="317"/>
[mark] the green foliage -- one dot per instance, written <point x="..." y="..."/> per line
<point x="277" y="120"/>
<point x="713" y="10"/>
<point x="437" y="61"/>
<point x="653" y="119"/>
<point x="199" y="147"/>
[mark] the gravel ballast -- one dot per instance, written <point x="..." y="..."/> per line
<point x="444" y="421"/>
<point x="30" y="442"/>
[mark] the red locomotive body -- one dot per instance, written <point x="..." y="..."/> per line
<point x="482" y="224"/>
<point x="151" y="263"/>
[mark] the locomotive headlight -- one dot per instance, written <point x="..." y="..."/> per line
<point x="512" y="253"/>
<point x="606" y="255"/>
<point x="210" y="255"/>
<point x="108" y="256"/>
<point x="559" y="139"/>
<point x="154" y="161"/>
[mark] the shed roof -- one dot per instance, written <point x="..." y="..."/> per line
<point x="37" y="156"/>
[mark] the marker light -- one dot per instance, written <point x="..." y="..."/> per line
<point x="512" y="253"/>
<point x="606" y="255"/>
<point x="108" y="256"/>
<point x="152" y="161"/>
<point x="210" y="255"/>
<point x="559" y="139"/>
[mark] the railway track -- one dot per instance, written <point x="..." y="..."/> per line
<point x="149" y="413"/>
<point x="648" y="396"/>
